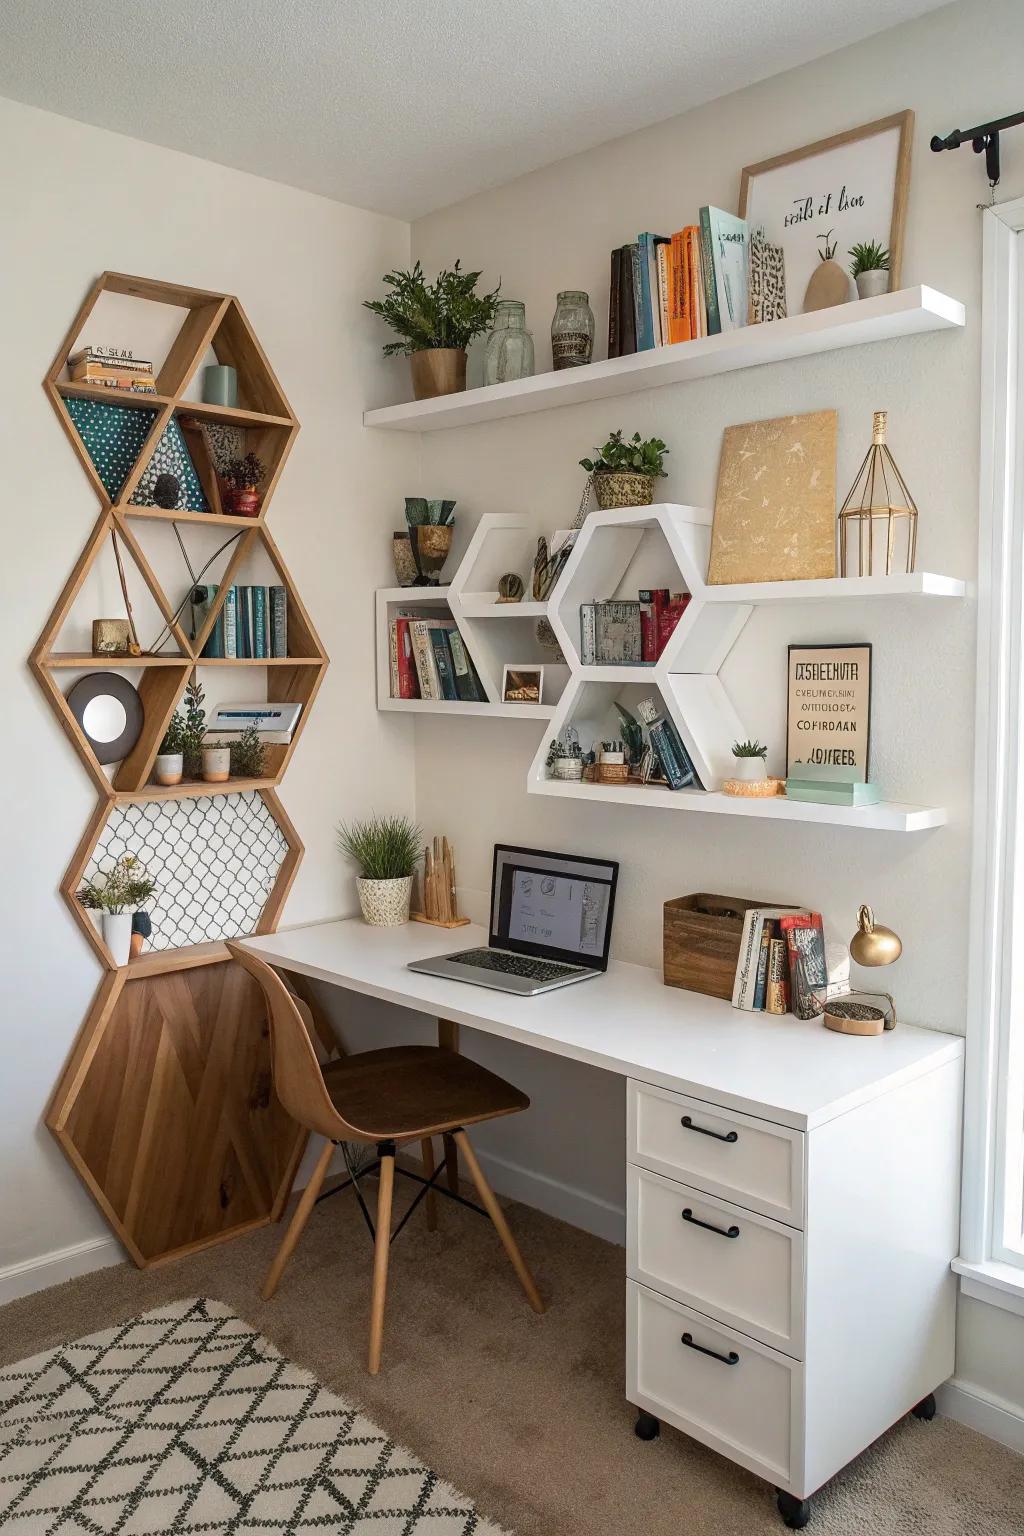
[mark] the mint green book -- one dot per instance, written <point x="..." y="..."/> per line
<point x="832" y="794"/>
<point x="827" y="773"/>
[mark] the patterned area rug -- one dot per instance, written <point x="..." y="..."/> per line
<point x="187" y="1421"/>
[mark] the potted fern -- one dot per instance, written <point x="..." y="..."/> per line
<point x="435" y="323"/>
<point x="623" y="472"/>
<point x="385" y="850"/>
<point x="869" y="268"/>
<point x="749" y="759"/>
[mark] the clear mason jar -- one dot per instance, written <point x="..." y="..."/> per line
<point x="572" y="330"/>
<point x="509" y="353"/>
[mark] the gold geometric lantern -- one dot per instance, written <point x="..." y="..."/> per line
<point x="870" y="501"/>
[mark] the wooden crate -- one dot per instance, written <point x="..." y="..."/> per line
<point x="702" y="942"/>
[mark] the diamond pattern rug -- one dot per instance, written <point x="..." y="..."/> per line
<point x="187" y="1421"/>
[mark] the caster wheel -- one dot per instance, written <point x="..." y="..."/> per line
<point x="646" y="1426"/>
<point x="925" y="1409"/>
<point x="795" y="1512"/>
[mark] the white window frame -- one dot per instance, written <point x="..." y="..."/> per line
<point x="991" y="1264"/>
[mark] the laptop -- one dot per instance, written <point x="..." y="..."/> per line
<point x="551" y="924"/>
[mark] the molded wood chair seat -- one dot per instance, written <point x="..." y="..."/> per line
<point x="386" y="1098"/>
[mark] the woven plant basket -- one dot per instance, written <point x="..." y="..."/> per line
<point x="613" y="773"/>
<point x="623" y="490"/>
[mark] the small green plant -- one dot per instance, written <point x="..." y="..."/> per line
<point x="641" y="456"/>
<point x="248" y="755"/>
<point x="829" y="250"/>
<point x="245" y="474"/>
<point x="748" y="749"/>
<point x="868" y="257"/>
<point x="124" y="889"/>
<point x="632" y="734"/>
<point x="174" y="736"/>
<point x="193" y="729"/>
<point x="445" y="313"/>
<point x="421" y="513"/>
<point x="383" y="847"/>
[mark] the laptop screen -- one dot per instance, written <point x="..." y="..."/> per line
<point x="553" y="905"/>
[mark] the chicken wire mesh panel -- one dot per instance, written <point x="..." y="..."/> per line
<point x="214" y="860"/>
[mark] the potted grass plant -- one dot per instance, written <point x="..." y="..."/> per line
<point x="748" y="762"/>
<point x="385" y="850"/>
<point x="623" y="472"/>
<point x="869" y="267"/>
<point x="435" y="323"/>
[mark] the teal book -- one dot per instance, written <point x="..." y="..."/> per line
<point x="466" y="686"/>
<point x="815" y="792"/>
<point x="730" y="257"/>
<point x="229" y="622"/>
<point x="260" y="649"/>
<point x="648" y="326"/>
<point x="707" y="265"/>
<point x="278" y="621"/>
<point x="202" y="600"/>
<point x="243" y="625"/>
<point x="443" y="661"/>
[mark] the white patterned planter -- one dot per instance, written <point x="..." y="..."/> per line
<point x="385" y="903"/>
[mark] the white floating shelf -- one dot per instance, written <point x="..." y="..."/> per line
<point x="830" y="589"/>
<point x="909" y="312"/>
<point x="481" y="605"/>
<point x="497" y="711"/>
<point x="885" y="817"/>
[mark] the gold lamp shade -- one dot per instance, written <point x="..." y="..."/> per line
<point x="874" y="944"/>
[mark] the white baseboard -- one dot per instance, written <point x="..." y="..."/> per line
<point x="564" y="1201"/>
<point x="56" y="1267"/>
<point x="989" y="1415"/>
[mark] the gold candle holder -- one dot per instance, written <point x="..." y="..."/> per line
<point x="861" y="510"/>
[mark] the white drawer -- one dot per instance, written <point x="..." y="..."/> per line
<point x="751" y="1161"/>
<point x="736" y="1266"/>
<point x="748" y="1410"/>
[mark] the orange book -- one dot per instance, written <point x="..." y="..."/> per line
<point x="697" y="316"/>
<point x="679" y="300"/>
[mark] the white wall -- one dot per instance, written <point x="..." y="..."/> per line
<point x="77" y="201"/>
<point x="554" y="229"/>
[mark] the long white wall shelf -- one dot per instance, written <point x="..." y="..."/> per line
<point x="907" y="312"/>
<point x="827" y="590"/>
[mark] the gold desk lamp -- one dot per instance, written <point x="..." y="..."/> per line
<point x="872" y="944"/>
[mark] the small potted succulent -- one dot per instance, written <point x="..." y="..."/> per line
<point x="241" y="480"/>
<point x="435" y="323"/>
<point x="170" y="760"/>
<point x="748" y="763"/>
<point x="623" y="473"/>
<point x="869" y="268"/>
<point x="565" y="759"/>
<point x="385" y="850"/>
<point x="122" y="894"/>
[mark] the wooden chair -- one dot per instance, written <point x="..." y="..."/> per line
<point x="386" y="1098"/>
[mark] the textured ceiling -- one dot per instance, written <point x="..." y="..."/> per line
<point x="405" y="106"/>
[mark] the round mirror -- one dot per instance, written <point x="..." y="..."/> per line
<point x="104" y="718"/>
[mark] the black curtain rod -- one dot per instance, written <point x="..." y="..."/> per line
<point x="984" y="138"/>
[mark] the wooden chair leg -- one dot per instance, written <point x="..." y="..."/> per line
<point x="297" y="1224"/>
<point x="451" y="1163"/>
<point x="381" y="1247"/>
<point x="429" y="1168"/>
<point x="497" y="1215"/>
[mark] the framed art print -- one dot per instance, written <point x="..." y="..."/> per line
<point x="829" y="713"/>
<point x="851" y="187"/>
<point x="522" y="685"/>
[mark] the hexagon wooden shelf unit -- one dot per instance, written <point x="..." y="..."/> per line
<point x="165" y="1107"/>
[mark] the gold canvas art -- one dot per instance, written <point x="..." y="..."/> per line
<point x="775" y="508"/>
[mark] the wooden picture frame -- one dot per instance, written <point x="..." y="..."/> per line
<point x="522" y="683"/>
<point x="820" y="204"/>
<point x="856" y="744"/>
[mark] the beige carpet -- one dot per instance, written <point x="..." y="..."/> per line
<point x="526" y="1414"/>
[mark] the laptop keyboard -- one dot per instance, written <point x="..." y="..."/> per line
<point x="515" y="965"/>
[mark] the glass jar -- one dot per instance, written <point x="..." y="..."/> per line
<point x="509" y="353"/>
<point x="572" y="330"/>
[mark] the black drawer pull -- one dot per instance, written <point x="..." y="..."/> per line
<point x="702" y="1130"/>
<point x="732" y="1358"/>
<point x="695" y="1221"/>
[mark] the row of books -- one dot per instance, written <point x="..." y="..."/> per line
<point x="113" y="368"/>
<point x="667" y="745"/>
<point x="429" y="661"/>
<point x="622" y="632"/>
<point x="671" y="288"/>
<point x="783" y="966"/>
<point x="252" y="623"/>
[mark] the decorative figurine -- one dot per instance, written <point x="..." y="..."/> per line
<point x="440" y="905"/>
<point x="510" y="588"/>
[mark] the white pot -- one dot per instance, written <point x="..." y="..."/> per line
<point x="749" y="770"/>
<point x="169" y="767"/>
<point x="567" y="768"/>
<point x="216" y="764"/>
<point x="117" y="935"/>
<point x="611" y="757"/>
<point x="871" y="284"/>
<point x="385" y="903"/>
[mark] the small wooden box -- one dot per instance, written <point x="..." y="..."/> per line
<point x="702" y="942"/>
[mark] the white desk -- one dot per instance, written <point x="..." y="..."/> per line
<point x="820" y="1175"/>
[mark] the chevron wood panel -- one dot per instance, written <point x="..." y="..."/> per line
<point x="169" y="1111"/>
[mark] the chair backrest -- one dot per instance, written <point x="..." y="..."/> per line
<point x="298" y="1080"/>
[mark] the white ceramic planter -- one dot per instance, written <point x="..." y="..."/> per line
<point x="749" y="770"/>
<point x="567" y="768"/>
<point x="871" y="284"/>
<point x="117" y="935"/>
<point x="169" y="768"/>
<point x="385" y="903"/>
<point x="216" y="764"/>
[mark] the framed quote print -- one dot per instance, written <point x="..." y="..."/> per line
<point x="829" y="713"/>
<point x="849" y="189"/>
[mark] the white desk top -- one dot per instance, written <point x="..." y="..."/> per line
<point x="785" y="1069"/>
